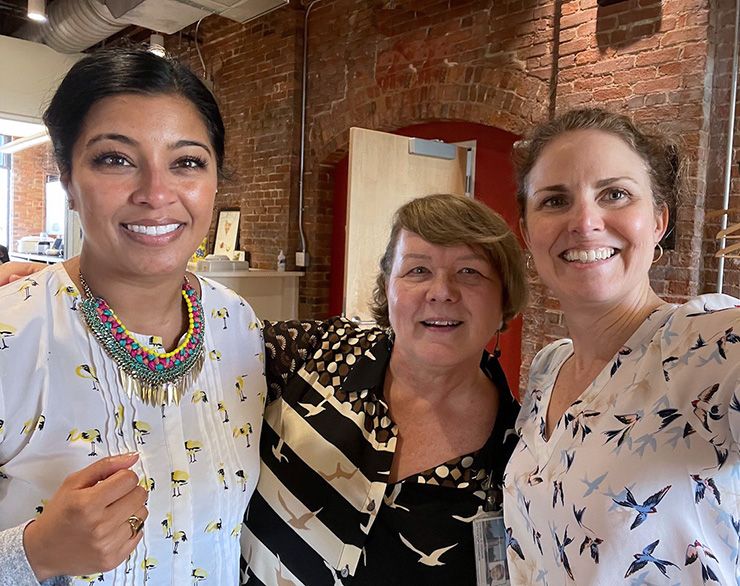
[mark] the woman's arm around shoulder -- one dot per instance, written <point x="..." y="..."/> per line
<point x="12" y="271"/>
<point x="290" y="344"/>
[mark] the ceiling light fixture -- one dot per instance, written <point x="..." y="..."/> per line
<point x="156" y="44"/>
<point x="37" y="10"/>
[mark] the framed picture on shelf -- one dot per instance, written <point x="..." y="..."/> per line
<point x="227" y="230"/>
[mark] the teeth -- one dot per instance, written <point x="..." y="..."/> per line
<point x="587" y="256"/>
<point x="152" y="230"/>
<point x="441" y="322"/>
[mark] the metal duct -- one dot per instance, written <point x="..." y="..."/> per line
<point x="73" y="26"/>
<point x="76" y="25"/>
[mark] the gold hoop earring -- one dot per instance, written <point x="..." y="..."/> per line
<point x="528" y="262"/>
<point x="660" y="253"/>
<point x="497" y="347"/>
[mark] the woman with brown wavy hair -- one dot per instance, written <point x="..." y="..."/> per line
<point x="628" y="463"/>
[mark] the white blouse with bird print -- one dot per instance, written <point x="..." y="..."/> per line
<point x="62" y="406"/>
<point x="639" y="482"/>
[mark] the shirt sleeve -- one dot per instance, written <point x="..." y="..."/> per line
<point x="14" y="567"/>
<point x="288" y="345"/>
<point x="718" y="396"/>
<point x="702" y="363"/>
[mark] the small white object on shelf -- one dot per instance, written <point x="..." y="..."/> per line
<point x="28" y="244"/>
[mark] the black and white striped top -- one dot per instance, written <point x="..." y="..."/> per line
<point x="324" y="511"/>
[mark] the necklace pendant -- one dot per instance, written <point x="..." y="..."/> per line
<point x="162" y="393"/>
<point x="157" y="378"/>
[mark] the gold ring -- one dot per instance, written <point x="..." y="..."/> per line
<point x="136" y="525"/>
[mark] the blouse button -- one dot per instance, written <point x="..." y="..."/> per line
<point x="371" y="506"/>
<point x="345" y="571"/>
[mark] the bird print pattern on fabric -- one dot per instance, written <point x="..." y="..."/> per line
<point x="646" y="557"/>
<point x="642" y="510"/>
<point x="324" y="512"/>
<point x="26" y="287"/>
<point x="73" y="406"/>
<point x="639" y="481"/>
<point x="6" y="332"/>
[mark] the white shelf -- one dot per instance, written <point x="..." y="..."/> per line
<point x="250" y="273"/>
<point x="28" y="256"/>
<point x="272" y="294"/>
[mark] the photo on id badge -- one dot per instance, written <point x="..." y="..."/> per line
<point x="490" y="545"/>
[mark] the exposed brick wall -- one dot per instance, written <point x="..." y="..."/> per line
<point x="375" y="64"/>
<point x="386" y="64"/>
<point x="648" y="60"/>
<point x="255" y="71"/>
<point x="29" y="170"/>
<point x="664" y="64"/>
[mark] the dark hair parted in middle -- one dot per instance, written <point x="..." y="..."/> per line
<point x="449" y="220"/>
<point x="663" y="158"/>
<point x="112" y="72"/>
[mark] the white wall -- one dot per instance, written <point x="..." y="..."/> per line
<point x="29" y="74"/>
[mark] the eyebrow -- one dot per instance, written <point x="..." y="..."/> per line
<point x="184" y="143"/>
<point x="131" y="142"/>
<point x="558" y="187"/>
<point x="110" y="136"/>
<point x="414" y="255"/>
<point x="610" y="180"/>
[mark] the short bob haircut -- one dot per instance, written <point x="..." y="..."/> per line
<point x="665" y="163"/>
<point x="112" y="72"/>
<point x="449" y="220"/>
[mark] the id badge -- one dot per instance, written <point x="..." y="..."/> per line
<point x="489" y="537"/>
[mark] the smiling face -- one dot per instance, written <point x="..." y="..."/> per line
<point x="590" y="220"/>
<point x="143" y="179"/>
<point x="444" y="302"/>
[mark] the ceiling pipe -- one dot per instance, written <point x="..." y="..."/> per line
<point x="73" y="26"/>
<point x="302" y="159"/>
<point x="729" y="154"/>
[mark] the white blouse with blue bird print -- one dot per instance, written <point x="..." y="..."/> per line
<point x="639" y="482"/>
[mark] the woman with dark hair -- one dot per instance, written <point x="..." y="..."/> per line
<point x="628" y="464"/>
<point x="118" y="409"/>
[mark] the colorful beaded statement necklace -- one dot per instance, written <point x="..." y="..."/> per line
<point x="155" y="377"/>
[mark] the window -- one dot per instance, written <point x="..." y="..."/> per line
<point x="56" y="206"/>
<point x="5" y="206"/>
